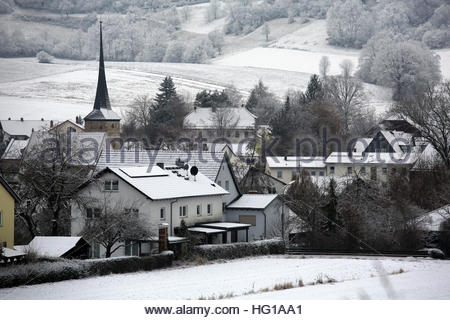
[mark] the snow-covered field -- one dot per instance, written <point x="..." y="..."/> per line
<point x="355" y="278"/>
<point x="65" y="89"/>
<point x="285" y="59"/>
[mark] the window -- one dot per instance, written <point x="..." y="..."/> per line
<point x="227" y="185"/>
<point x="5" y="244"/>
<point x="183" y="211"/>
<point x="248" y="220"/>
<point x="363" y="170"/>
<point x="313" y="173"/>
<point x="209" y="209"/>
<point x="279" y="174"/>
<point x="293" y="174"/>
<point x="246" y="134"/>
<point x="1" y="218"/>
<point x="111" y="185"/>
<point x="95" y="251"/>
<point x="199" y="210"/>
<point x="131" y="248"/>
<point x="331" y="170"/>
<point x="93" y="213"/>
<point x="349" y="170"/>
<point x="384" y="170"/>
<point x="162" y="213"/>
<point x="229" y="134"/>
<point x="236" y="134"/>
<point x="321" y="173"/>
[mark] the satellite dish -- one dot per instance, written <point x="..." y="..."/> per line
<point x="186" y="167"/>
<point x="194" y="171"/>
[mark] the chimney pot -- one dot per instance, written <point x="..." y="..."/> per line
<point x="42" y="119"/>
<point x="51" y="123"/>
<point x="21" y="119"/>
<point x="9" y="118"/>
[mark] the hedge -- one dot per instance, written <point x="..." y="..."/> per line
<point x="239" y="250"/>
<point x="62" y="269"/>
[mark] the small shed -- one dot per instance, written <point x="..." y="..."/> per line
<point x="262" y="212"/>
<point x="60" y="247"/>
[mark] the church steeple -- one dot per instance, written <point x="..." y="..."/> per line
<point x="101" y="98"/>
<point x="102" y="107"/>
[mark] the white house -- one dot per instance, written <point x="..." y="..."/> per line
<point x="214" y="165"/>
<point x="262" y="211"/>
<point x="233" y="124"/>
<point x="287" y="168"/>
<point x="160" y="196"/>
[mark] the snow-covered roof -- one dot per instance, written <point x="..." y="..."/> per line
<point x="432" y="221"/>
<point x="160" y="184"/>
<point x="10" y="253"/>
<point x="253" y="201"/>
<point x="53" y="246"/>
<point x="208" y="163"/>
<point x="362" y="144"/>
<point x="23" y="127"/>
<point x="205" y="230"/>
<point x="14" y="150"/>
<point x="427" y="159"/>
<point x="296" y="162"/>
<point x="203" y="118"/>
<point x="397" y="139"/>
<point x="371" y="158"/>
<point x="102" y="114"/>
<point x="85" y="146"/>
<point x="239" y="149"/>
<point x="226" y="225"/>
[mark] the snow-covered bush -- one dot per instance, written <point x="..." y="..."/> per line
<point x="62" y="269"/>
<point x="41" y="272"/>
<point x="44" y="57"/>
<point x="240" y="249"/>
<point x="436" y="253"/>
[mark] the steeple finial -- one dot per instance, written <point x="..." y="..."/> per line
<point x="101" y="98"/>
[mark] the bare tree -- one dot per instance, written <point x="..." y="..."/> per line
<point x="112" y="223"/>
<point x="430" y="115"/>
<point x="224" y="119"/>
<point x="347" y="93"/>
<point x="324" y="66"/>
<point x="54" y="165"/>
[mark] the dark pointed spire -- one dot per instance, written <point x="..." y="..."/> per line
<point x="101" y="98"/>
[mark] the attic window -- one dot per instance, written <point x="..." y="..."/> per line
<point x="111" y="185"/>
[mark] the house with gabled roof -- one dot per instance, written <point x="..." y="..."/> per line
<point x="263" y="212"/>
<point x="160" y="196"/>
<point x="232" y="124"/>
<point x="215" y="166"/>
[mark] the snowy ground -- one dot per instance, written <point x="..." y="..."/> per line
<point x="356" y="278"/>
<point x="197" y="22"/>
<point x="65" y="89"/>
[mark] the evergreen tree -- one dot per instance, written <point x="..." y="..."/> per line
<point x="262" y="103"/>
<point x="314" y="91"/>
<point x="162" y="112"/>
<point x="203" y="99"/>
<point x="331" y="208"/>
<point x="282" y="128"/>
